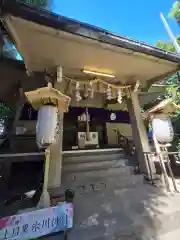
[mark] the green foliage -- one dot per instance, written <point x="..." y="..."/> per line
<point x="175" y="11"/>
<point x="173" y="85"/>
<point x="168" y="46"/>
<point x="5" y="112"/>
<point x="174" y="80"/>
<point x="175" y="118"/>
<point x="6" y="117"/>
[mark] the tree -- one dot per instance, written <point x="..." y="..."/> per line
<point x="174" y="80"/>
<point x="9" y="50"/>
<point x="175" y="11"/>
<point x="168" y="46"/>
<point x="6" y="118"/>
<point x="172" y="91"/>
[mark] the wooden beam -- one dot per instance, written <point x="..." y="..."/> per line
<point x="59" y="74"/>
<point x="136" y="86"/>
<point x="159" y="78"/>
<point x="67" y="87"/>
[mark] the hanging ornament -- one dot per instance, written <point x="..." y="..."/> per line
<point x="78" y="95"/>
<point x="91" y="90"/>
<point x="77" y="86"/>
<point x="86" y="91"/>
<point x="109" y="93"/>
<point x="119" y="96"/>
<point x="59" y="74"/>
<point x="91" y="93"/>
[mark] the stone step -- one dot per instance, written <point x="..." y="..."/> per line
<point x="96" y="174"/>
<point x="93" y="166"/>
<point x="107" y="181"/>
<point x="91" y="158"/>
<point x="95" y="152"/>
<point x="110" y="184"/>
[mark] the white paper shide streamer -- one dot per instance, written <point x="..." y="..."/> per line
<point x="119" y="96"/>
<point x="46" y="127"/>
<point x="109" y="93"/>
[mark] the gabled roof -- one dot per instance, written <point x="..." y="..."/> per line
<point x="46" y="95"/>
<point x="165" y="106"/>
<point x="46" y="40"/>
<point x="55" y="21"/>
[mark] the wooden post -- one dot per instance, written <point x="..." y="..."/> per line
<point x="19" y="107"/>
<point x="87" y="125"/>
<point x="45" y="200"/>
<point x="140" y="136"/>
<point x="55" y="169"/>
<point x="171" y="172"/>
<point x="161" y="161"/>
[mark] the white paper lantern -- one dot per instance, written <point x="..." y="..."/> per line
<point x="163" y="129"/>
<point x="46" y="127"/>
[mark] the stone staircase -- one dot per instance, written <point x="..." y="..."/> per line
<point x="94" y="169"/>
<point x="111" y="203"/>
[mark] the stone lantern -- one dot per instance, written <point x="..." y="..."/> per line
<point x="161" y="122"/>
<point x="49" y="102"/>
<point x="163" y="132"/>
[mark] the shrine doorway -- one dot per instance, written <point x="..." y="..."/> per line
<point x="75" y="129"/>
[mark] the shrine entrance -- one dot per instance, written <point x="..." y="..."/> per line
<point x="75" y="130"/>
<point x="100" y="128"/>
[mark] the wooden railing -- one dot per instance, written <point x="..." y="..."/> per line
<point x="19" y="144"/>
<point x="167" y="164"/>
<point x="126" y="144"/>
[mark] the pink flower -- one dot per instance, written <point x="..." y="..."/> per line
<point x="3" y="222"/>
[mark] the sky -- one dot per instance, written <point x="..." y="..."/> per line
<point x="136" y="19"/>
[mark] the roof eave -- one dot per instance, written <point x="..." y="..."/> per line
<point x="55" y="21"/>
<point x="161" y="107"/>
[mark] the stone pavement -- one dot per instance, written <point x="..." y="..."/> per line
<point x="143" y="212"/>
<point x="139" y="212"/>
<point x="54" y="237"/>
<point x="115" y="204"/>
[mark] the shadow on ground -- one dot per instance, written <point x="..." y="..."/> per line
<point x="119" y="210"/>
<point x="142" y="212"/>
